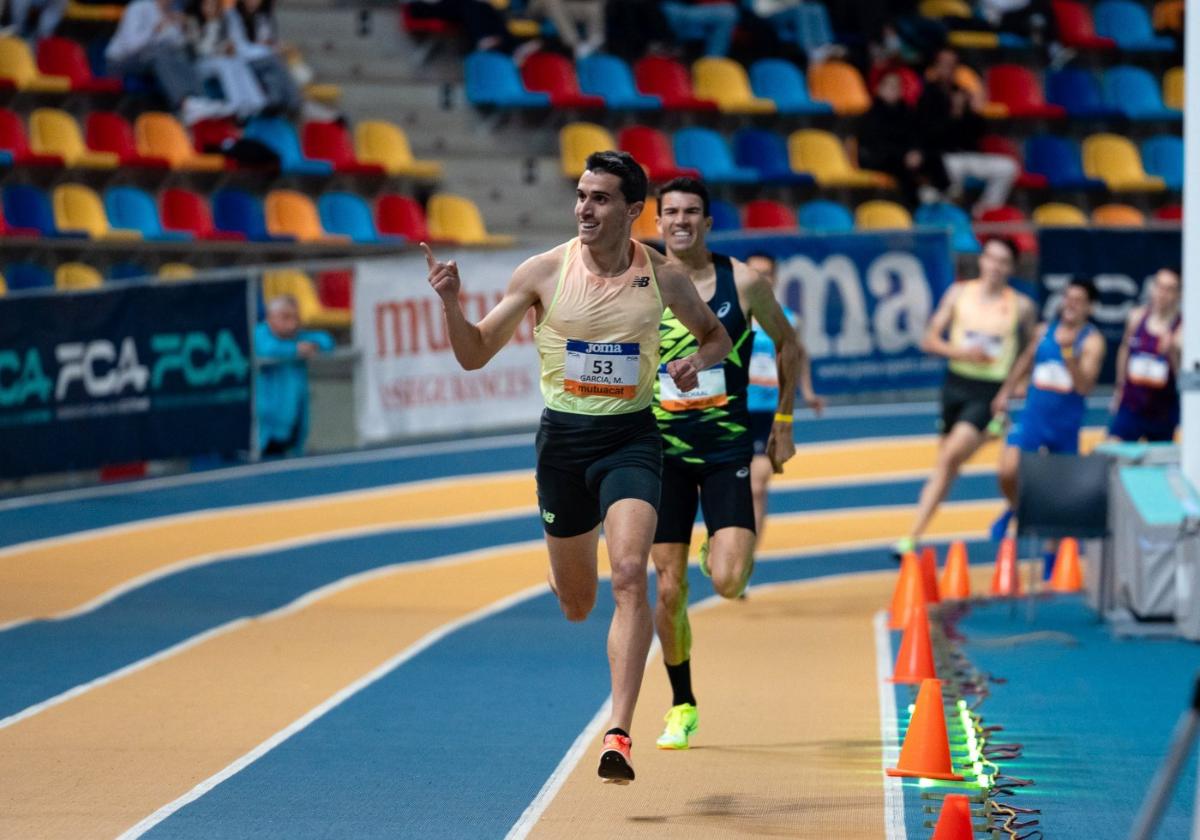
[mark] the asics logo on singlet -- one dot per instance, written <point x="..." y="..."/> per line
<point x="640" y="282"/>
<point x="604" y="348"/>
<point x="724" y="310"/>
<point x="743" y="472"/>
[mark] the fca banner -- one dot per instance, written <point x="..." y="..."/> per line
<point x="123" y="374"/>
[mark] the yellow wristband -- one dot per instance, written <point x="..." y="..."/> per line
<point x="783" y="418"/>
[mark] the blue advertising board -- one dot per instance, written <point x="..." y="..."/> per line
<point x="127" y="373"/>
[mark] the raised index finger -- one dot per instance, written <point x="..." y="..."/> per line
<point x="429" y="260"/>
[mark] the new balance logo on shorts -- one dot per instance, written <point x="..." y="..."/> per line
<point x="640" y="282"/>
<point x="548" y="516"/>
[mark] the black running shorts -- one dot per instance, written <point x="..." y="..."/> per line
<point x="586" y="462"/>
<point x="968" y="401"/>
<point x="761" y="423"/>
<point x="722" y="491"/>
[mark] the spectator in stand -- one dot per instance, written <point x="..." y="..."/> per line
<point x="952" y="123"/>
<point x="636" y="28"/>
<point x="789" y="20"/>
<point x="890" y="140"/>
<point x="485" y="25"/>
<point x="712" y="23"/>
<point x="256" y="40"/>
<point x="281" y="387"/>
<point x="216" y="58"/>
<point x="49" y="13"/>
<point x="569" y="16"/>
<point x="150" y="39"/>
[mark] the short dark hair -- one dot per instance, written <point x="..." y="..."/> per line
<point x="1007" y="243"/>
<point x="1087" y="285"/>
<point x="623" y="165"/>
<point x="685" y="184"/>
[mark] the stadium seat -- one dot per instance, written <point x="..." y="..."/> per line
<point x="1078" y="91"/>
<point x="289" y="281"/>
<point x="967" y="79"/>
<point x="998" y="145"/>
<point x="183" y="211"/>
<point x="159" y="135"/>
<point x="133" y="209"/>
<point x="78" y="208"/>
<point x="28" y="207"/>
<point x="330" y="142"/>
<point x="3" y="286"/>
<point x="764" y="214"/>
<point x="280" y="135"/>
<point x="63" y="57"/>
<point x="81" y="11"/>
<point x="576" y="141"/>
<point x="74" y="276"/>
<point x="8" y="230"/>
<point x="824" y="216"/>
<point x="18" y="71"/>
<point x="822" y="154"/>
<point x="1135" y="93"/>
<point x="1023" y="241"/>
<point x="1058" y="159"/>
<point x="126" y="270"/>
<point x="175" y="271"/>
<point x="1076" y="28"/>
<point x="652" y="149"/>
<point x="1057" y="214"/>
<point x="14" y="141"/>
<point x="19" y="276"/>
<point x="1118" y="215"/>
<point x="212" y="135"/>
<point x="645" y="226"/>
<point x="107" y="131"/>
<point x="611" y="79"/>
<point x="724" y="81"/>
<point x="670" y="82"/>
<point x="335" y="289"/>
<point x="456" y="219"/>
<point x="1116" y="161"/>
<point x="1168" y="16"/>
<point x="1169" y="213"/>
<point x="724" y="215"/>
<point x="1129" y="25"/>
<point x="54" y="132"/>
<point x="840" y="85"/>
<point x="384" y="144"/>
<point x="401" y="216"/>
<point x="937" y="9"/>
<point x="882" y="215"/>
<point x="704" y="149"/>
<point x="911" y="85"/>
<point x="1173" y="89"/>
<point x="492" y="80"/>
<point x="942" y="215"/>
<point x="292" y="213"/>
<point x="554" y="75"/>
<point x="238" y="211"/>
<point x="1163" y="157"/>
<point x="784" y="84"/>
<point x="766" y="152"/>
<point x="346" y="214"/>
<point x="1017" y="89"/>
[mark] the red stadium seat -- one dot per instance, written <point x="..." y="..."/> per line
<point x="399" y="215"/>
<point x="335" y="289"/>
<point x="64" y="57"/>
<point x="13" y="139"/>
<point x="1169" y="213"/>
<point x="1076" y="27"/>
<point x="208" y="135"/>
<point x="414" y="25"/>
<point x="331" y="141"/>
<point x="763" y="214"/>
<point x="184" y="210"/>
<point x="671" y="82"/>
<point x="1025" y="242"/>
<point x="651" y="148"/>
<point x="910" y="83"/>
<point x="1018" y="89"/>
<point x="997" y="145"/>
<point x="107" y="131"/>
<point x="554" y="74"/>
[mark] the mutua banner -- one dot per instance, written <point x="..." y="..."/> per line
<point x="864" y="299"/>
<point x="121" y="374"/>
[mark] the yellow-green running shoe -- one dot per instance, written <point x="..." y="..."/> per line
<point x="682" y="721"/>
<point x="704" y="570"/>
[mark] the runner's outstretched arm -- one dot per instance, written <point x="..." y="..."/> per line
<point x="679" y="294"/>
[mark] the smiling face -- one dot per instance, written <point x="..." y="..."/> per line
<point x="1076" y="306"/>
<point x="995" y="262"/>
<point x="601" y="213"/>
<point x="682" y="222"/>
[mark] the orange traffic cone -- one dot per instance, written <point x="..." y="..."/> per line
<point x="1068" y="574"/>
<point x="909" y="591"/>
<point x="914" y="662"/>
<point x="956" y="579"/>
<point x="1006" y="580"/>
<point x="929" y="574"/>
<point x="926" y="750"/>
<point x="954" y="822"/>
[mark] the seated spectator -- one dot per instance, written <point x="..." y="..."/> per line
<point x="256" y="40"/>
<point x="712" y="23"/>
<point x="281" y="387"/>
<point x="569" y="16"/>
<point x="890" y="140"/>
<point x="150" y="39"/>
<point x="36" y="19"/>
<point x="636" y="28"/>
<point x="788" y="19"/>
<point x="216" y="58"/>
<point x="485" y="25"/>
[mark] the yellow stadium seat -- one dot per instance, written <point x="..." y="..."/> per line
<point x="969" y="80"/>
<point x="969" y="40"/>
<point x="882" y="215"/>
<point x="77" y="275"/>
<point x="1118" y="215"/>
<point x="78" y="208"/>
<point x="160" y="135"/>
<point x="1116" y="161"/>
<point x="524" y="28"/>
<point x="457" y="219"/>
<point x="94" y="12"/>
<point x="841" y="85"/>
<point x="1058" y="214"/>
<point x="1168" y="16"/>
<point x="384" y="143"/>
<point x="645" y="227"/>
<point x="944" y="8"/>
<point x="324" y="92"/>
<point x="176" y="271"/>
<point x="3" y="286"/>
<point x="725" y="82"/>
<point x="54" y="132"/>
<point x="313" y="313"/>
<point x="292" y="213"/>
<point x="18" y="68"/>
<point x="822" y="154"/>
<point x="576" y="141"/>
<point x="1172" y="88"/>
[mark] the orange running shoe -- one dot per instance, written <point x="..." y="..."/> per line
<point x="616" y="766"/>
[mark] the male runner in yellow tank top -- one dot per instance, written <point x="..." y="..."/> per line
<point x="979" y="327"/>
<point x="598" y="300"/>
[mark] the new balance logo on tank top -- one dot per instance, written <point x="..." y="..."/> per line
<point x="711" y="423"/>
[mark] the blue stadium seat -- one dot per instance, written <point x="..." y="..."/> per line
<point x="1134" y="92"/>
<point x="609" y="77"/>
<point x="1059" y="159"/>
<point x="755" y="148"/>
<point x="705" y="150"/>
<point x="724" y="215"/>
<point x="133" y="209"/>
<point x="962" y="237"/>
<point x="1079" y="92"/>
<point x="241" y="212"/>
<point x="6" y="158"/>
<point x="1163" y="156"/>
<point x="492" y="79"/>
<point x="1129" y="25"/>
<point x="124" y="271"/>
<point x="783" y="83"/>
<point x="280" y="135"/>
<point x="27" y="275"/>
<point x="822" y="216"/>
<point x="347" y="214"/>
<point x="27" y="206"/>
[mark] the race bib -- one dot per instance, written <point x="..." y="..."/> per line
<point x="763" y="371"/>
<point x="1053" y="376"/>
<point x="1148" y="370"/>
<point x="601" y="370"/>
<point x="709" y="392"/>
<point x="993" y="345"/>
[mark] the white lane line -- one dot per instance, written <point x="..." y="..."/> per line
<point x="893" y="792"/>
